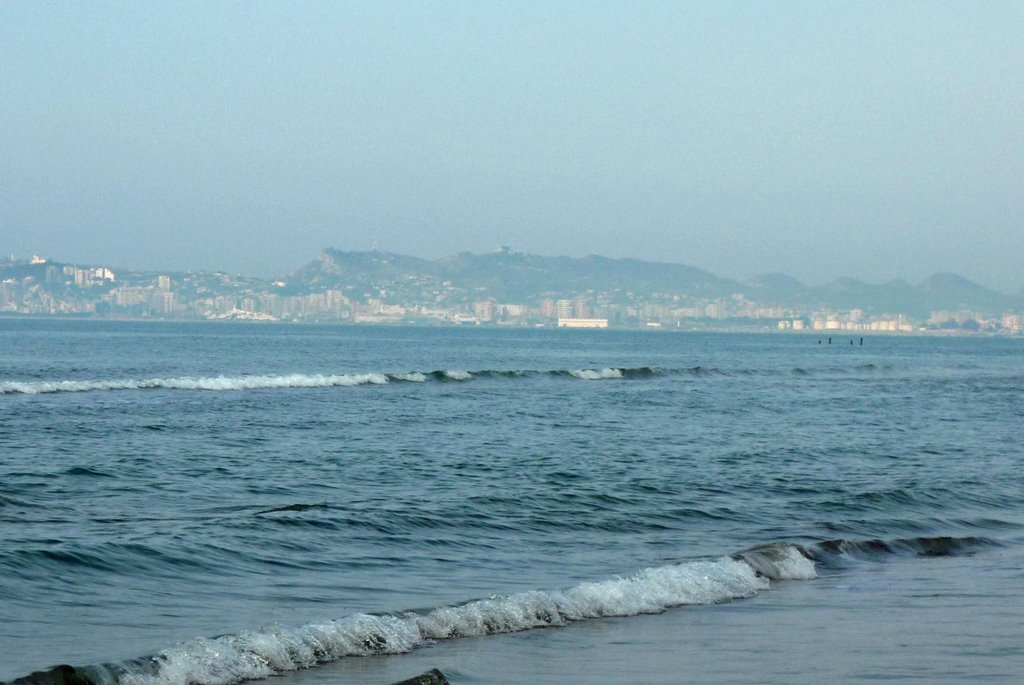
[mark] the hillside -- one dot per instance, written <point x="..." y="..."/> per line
<point x="508" y="276"/>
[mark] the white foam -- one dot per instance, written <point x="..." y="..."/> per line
<point x="264" y="381"/>
<point x="295" y="380"/>
<point x="276" y="649"/>
<point x="38" y="387"/>
<point x="597" y="374"/>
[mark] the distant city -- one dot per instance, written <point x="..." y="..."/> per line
<point x="507" y="288"/>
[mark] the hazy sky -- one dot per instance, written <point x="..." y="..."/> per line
<point x="868" y="139"/>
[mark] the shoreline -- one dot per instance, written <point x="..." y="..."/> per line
<point x="341" y="323"/>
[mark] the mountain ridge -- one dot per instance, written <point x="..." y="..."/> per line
<point x="510" y="276"/>
<point x="465" y="281"/>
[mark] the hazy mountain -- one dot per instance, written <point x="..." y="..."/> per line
<point x="509" y="276"/>
<point x="851" y="293"/>
<point x="953" y="292"/>
<point x="948" y="292"/>
<point x="775" y="288"/>
<point x="515" y="277"/>
<point x="337" y="269"/>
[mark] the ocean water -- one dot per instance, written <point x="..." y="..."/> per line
<point x="216" y="503"/>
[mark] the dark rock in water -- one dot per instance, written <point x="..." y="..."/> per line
<point x="431" y="677"/>
<point x="58" y="675"/>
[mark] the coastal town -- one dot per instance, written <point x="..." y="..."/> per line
<point x="41" y="286"/>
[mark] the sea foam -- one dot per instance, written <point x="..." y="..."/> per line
<point x="294" y="380"/>
<point x="596" y="374"/>
<point x="271" y="381"/>
<point x="276" y="649"/>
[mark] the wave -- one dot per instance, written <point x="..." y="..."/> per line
<point x="12" y="502"/>
<point x="596" y="374"/>
<point x="274" y="650"/>
<point x="445" y="375"/>
<point x="277" y="649"/>
<point x="829" y="551"/>
<point x="299" y="380"/>
<point x="302" y="380"/>
<point x="295" y="380"/>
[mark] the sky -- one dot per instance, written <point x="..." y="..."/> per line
<point x="876" y="140"/>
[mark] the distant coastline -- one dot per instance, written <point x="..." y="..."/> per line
<point x="507" y="288"/>
<point x="839" y="338"/>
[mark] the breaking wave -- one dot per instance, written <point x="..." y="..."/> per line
<point x="295" y="380"/>
<point x="276" y="649"/>
<point x="299" y="380"/>
<point x="596" y="374"/>
<point x="318" y="380"/>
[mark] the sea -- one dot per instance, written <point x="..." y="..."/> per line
<point x="215" y="503"/>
